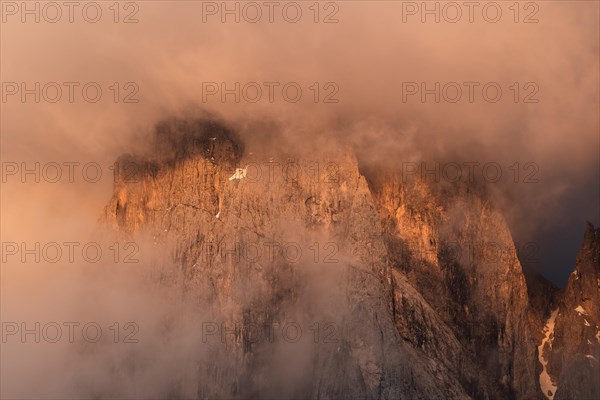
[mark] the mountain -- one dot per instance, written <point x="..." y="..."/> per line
<point x="575" y="345"/>
<point x="396" y="288"/>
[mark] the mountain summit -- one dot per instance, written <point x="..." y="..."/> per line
<point x="396" y="287"/>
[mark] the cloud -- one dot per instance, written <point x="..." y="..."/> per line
<point x="364" y="61"/>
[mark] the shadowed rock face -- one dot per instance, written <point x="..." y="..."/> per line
<point x="424" y="281"/>
<point x="579" y="379"/>
<point x="576" y="343"/>
<point x="544" y="297"/>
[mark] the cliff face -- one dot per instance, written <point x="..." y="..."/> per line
<point x="264" y="248"/>
<point x="544" y="298"/>
<point x="456" y="249"/>
<point x="401" y="289"/>
<point x="574" y="355"/>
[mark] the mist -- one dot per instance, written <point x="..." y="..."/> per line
<point x="366" y="64"/>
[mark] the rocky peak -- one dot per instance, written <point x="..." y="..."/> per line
<point x="424" y="277"/>
<point x="574" y="348"/>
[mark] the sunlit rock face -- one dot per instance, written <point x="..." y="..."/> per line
<point x="270" y="249"/>
<point x="402" y="288"/>
<point x="456" y="249"/>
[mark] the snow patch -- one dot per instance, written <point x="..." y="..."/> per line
<point x="548" y="387"/>
<point x="240" y="173"/>
<point x="586" y="323"/>
<point x="581" y="311"/>
<point x="218" y="214"/>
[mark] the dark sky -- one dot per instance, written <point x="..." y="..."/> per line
<point x="557" y="242"/>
